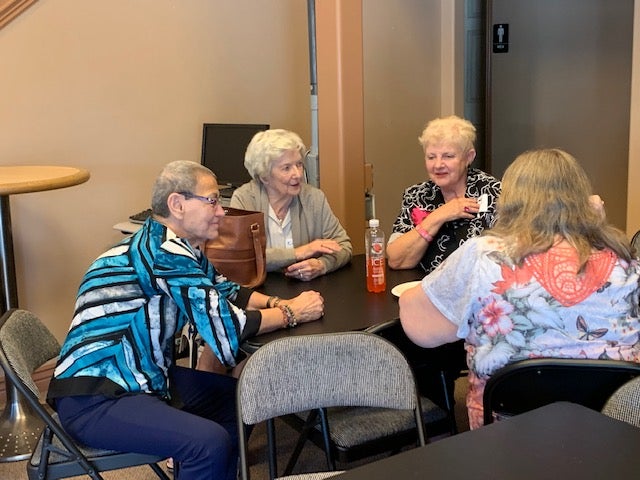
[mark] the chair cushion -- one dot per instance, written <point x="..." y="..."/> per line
<point x="311" y="476"/>
<point x="352" y="426"/>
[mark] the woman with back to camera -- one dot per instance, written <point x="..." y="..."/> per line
<point x="551" y="279"/>
<point x="304" y="238"/>
<point x="455" y="204"/>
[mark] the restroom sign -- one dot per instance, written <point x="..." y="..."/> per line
<point x="500" y="38"/>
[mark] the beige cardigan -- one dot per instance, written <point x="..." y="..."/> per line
<point x="311" y="219"/>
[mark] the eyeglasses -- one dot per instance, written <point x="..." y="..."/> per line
<point x="213" y="201"/>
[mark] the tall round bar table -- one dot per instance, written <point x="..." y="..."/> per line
<point x="19" y="427"/>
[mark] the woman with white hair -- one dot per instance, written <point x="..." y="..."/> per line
<point x="304" y="237"/>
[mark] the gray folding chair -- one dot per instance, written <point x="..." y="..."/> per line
<point x="624" y="404"/>
<point x="26" y="344"/>
<point x="317" y="372"/>
<point x="635" y="242"/>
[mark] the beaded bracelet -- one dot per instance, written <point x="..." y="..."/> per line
<point x="289" y="317"/>
<point x="424" y="234"/>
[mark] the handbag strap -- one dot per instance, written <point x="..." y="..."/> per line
<point x="257" y="247"/>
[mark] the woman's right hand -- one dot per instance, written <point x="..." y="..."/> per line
<point x="307" y="306"/>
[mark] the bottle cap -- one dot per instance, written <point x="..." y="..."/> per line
<point x="374" y="223"/>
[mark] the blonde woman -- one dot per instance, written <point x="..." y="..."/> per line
<point x="456" y="203"/>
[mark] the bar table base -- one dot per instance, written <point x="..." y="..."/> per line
<point x="20" y="428"/>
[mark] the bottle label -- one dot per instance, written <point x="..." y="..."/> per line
<point x="377" y="249"/>
<point x="376" y="281"/>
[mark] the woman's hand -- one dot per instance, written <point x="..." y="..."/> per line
<point x="307" y="306"/>
<point x="597" y="204"/>
<point x="407" y="250"/>
<point x="317" y="248"/>
<point x="306" y="270"/>
<point x="461" y="207"/>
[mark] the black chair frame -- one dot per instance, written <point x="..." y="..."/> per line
<point x="75" y="461"/>
<point x="314" y="428"/>
<point x="528" y="384"/>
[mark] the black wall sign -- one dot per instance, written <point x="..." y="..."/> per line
<point x="501" y="38"/>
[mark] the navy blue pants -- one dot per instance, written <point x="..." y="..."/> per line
<point x="200" y="433"/>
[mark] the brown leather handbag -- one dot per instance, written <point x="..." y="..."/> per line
<point x="239" y="251"/>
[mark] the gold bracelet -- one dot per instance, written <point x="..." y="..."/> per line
<point x="277" y="300"/>
<point x="289" y="317"/>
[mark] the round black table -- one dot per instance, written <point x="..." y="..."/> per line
<point x="348" y="306"/>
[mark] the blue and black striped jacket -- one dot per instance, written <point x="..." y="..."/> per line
<point x="132" y="301"/>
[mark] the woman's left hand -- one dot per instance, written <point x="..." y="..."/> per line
<point x="306" y="269"/>
<point x="317" y="248"/>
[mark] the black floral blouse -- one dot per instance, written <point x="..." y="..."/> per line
<point x="418" y="200"/>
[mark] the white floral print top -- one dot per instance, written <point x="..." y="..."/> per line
<point x="540" y="309"/>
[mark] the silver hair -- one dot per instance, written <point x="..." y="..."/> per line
<point x="177" y="176"/>
<point x="266" y="147"/>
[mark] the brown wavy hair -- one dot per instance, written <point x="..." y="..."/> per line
<point x="545" y="195"/>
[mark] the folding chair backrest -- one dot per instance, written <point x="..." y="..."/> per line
<point x="635" y="242"/>
<point x="316" y="372"/>
<point x="301" y="373"/>
<point x="529" y="384"/>
<point x="624" y="404"/>
<point x="27" y="344"/>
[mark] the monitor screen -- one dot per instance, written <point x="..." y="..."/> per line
<point x="223" y="149"/>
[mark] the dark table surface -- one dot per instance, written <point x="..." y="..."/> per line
<point x="348" y="305"/>
<point x="561" y="440"/>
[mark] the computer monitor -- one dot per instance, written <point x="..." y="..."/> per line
<point x="223" y="149"/>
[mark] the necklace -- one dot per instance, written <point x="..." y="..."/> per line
<point x="280" y="211"/>
<point x="280" y="218"/>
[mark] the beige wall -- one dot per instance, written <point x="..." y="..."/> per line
<point x="340" y="112"/>
<point x="121" y="87"/>
<point x="633" y="192"/>
<point x="402" y="91"/>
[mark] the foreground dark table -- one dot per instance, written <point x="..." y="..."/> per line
<point x="348" y="305"/>
<point x="561" y="440"/>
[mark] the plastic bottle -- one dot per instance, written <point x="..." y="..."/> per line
<point x="374" y="246"/>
